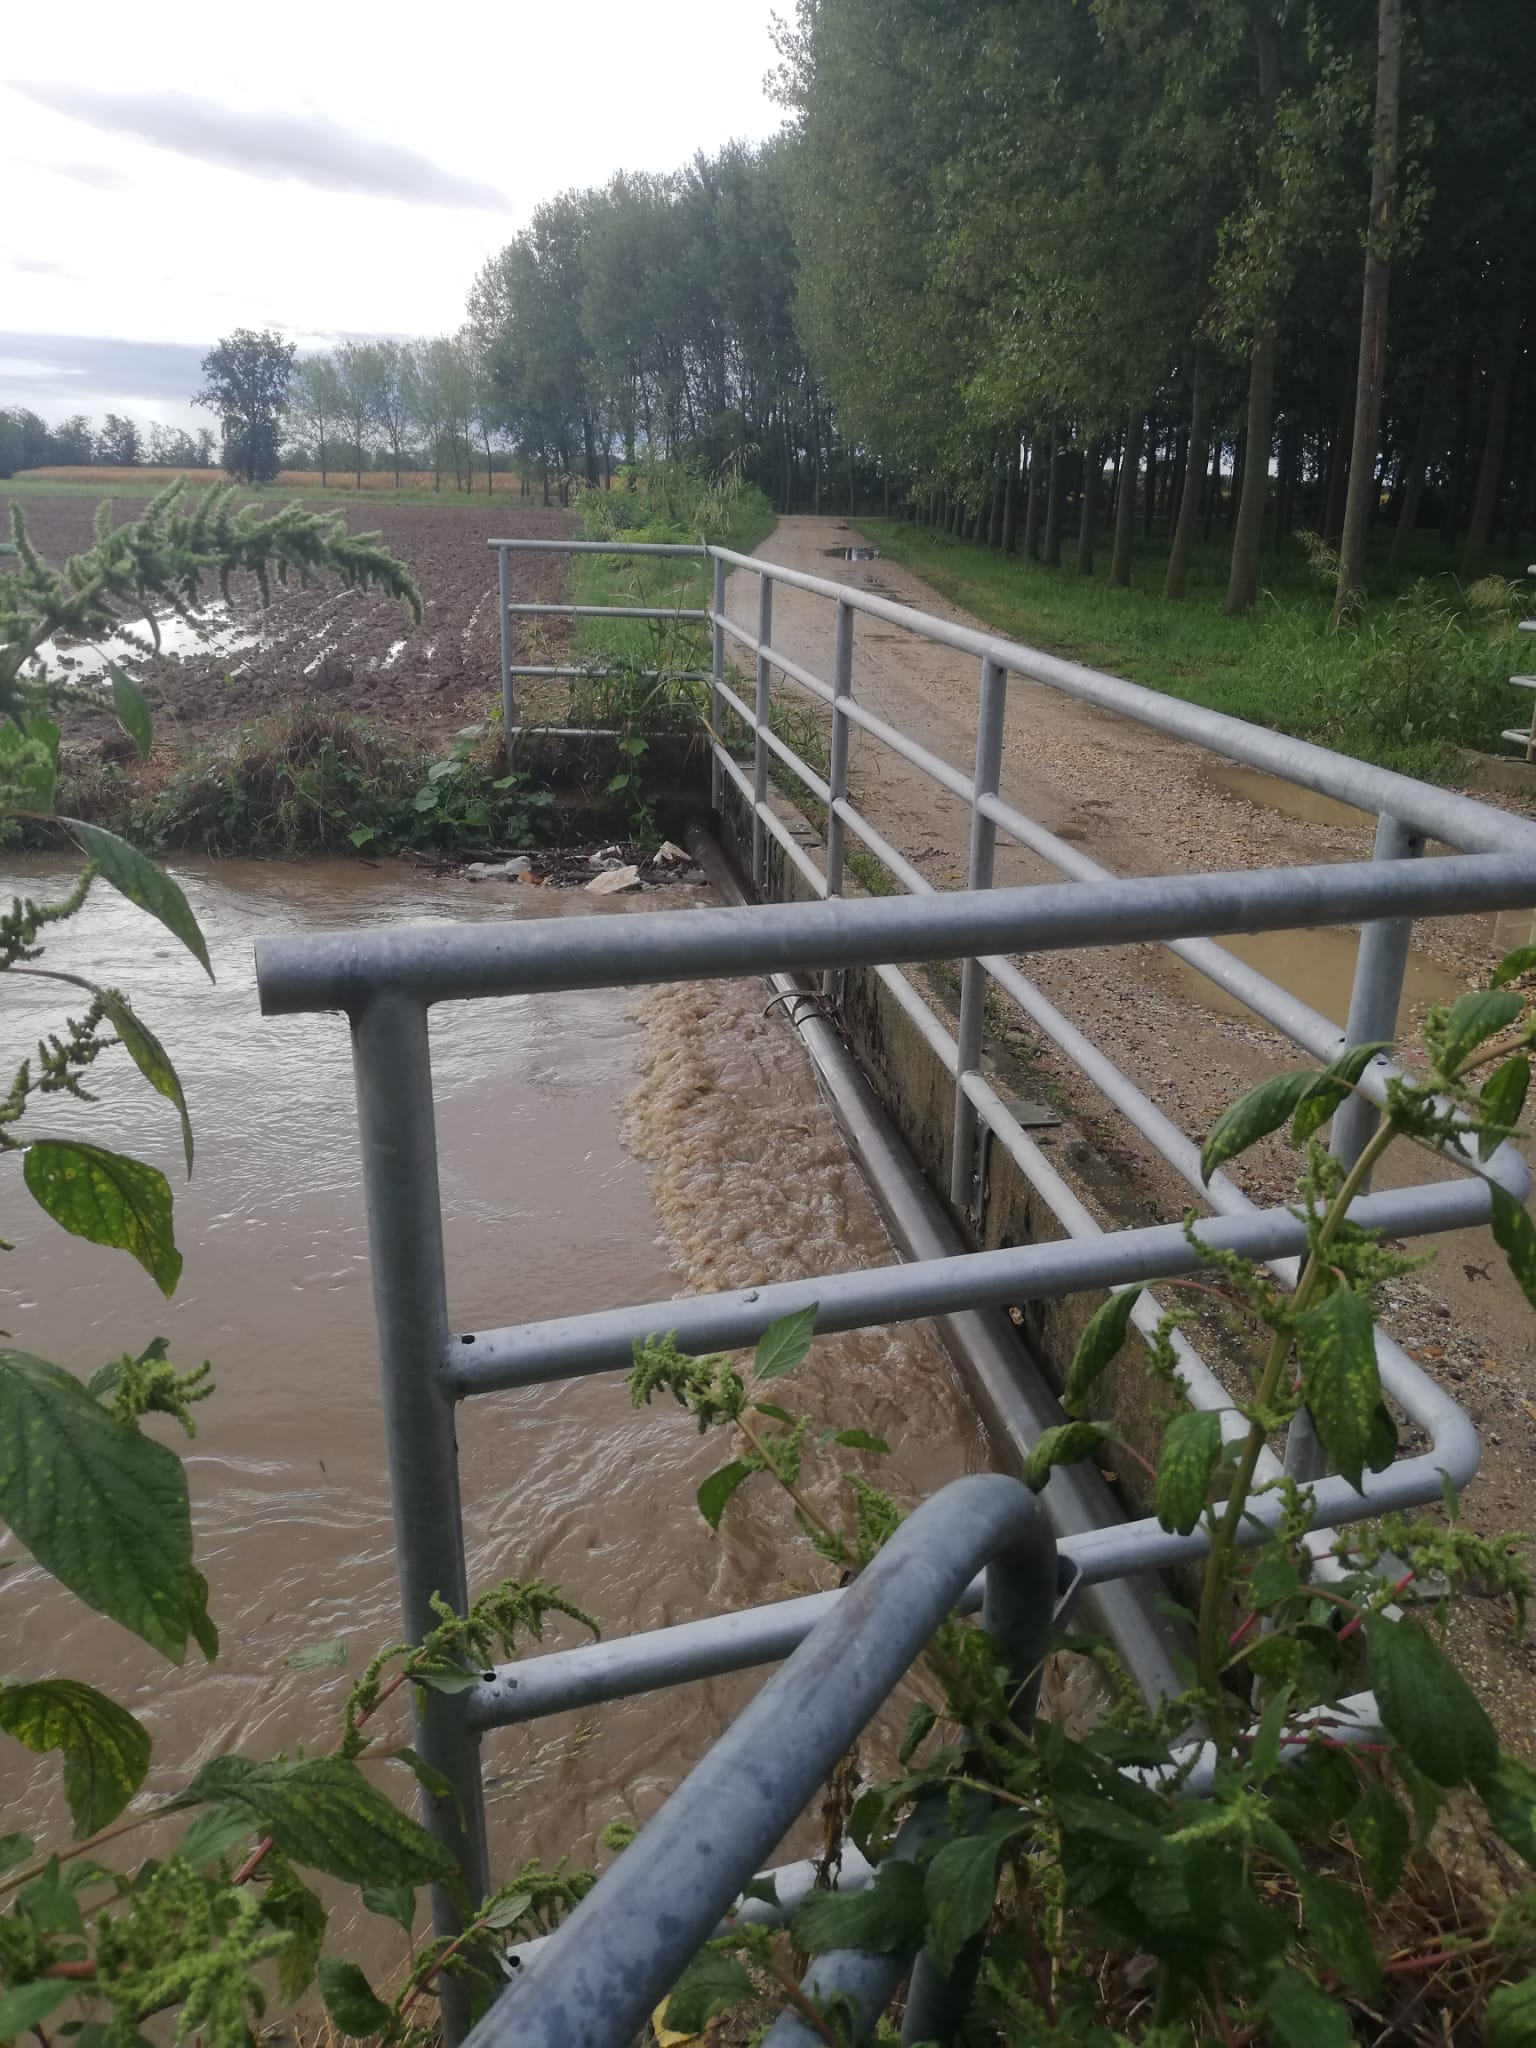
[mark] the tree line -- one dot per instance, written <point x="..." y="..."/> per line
<point x="29" y="442"/>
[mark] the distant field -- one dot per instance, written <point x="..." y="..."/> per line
<point x="102" y="477"/>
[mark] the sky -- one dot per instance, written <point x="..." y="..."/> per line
<point x="175" y="170"/>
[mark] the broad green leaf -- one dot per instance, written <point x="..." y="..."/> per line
<point x="25" y="2006"/>
<point x="105" y="1751"/>
<point x="431" y="1780"/>
<point x="1511" y="2020"/>
<point x="718" y="1488"/>
<point x="1501" y="1101"/>
<point x="1064" y="1445"/>
<point x="1521" y="962"/>
<point x="215" y="1832"/>
<point x="784" y="1343"/>
<point x="1186" y="1465"/>
<point x="360" y="835"/>
<point x="288" y="1904"/>
<point x="351" y="2003"/>
<point x="508" y="1911"/>
<point x="1471" y="1021"/>
<point x="142" y="882"/>
<point x="1509" y="1793"/>
<point x="1098" y="1346"/>
<point x="391" y="1902"/>
<point x="99" y="1505"/>
<point x="151" y="1059"/>
<point x="15" y="1849"/>
<point x="131" y="710"/>
<point x="1378" y="1827"/>
<point x="1274" y="1578"/>
<point x="1381" y="1440"/>
<point x="961" y="1884"/>
<point x="862" y="1440"/>
<point x="49" y="1902"/>
<point x="109" y="1199"/>
<point x="919" y="1726"/>
<point x="885" y="1918"/>
<point x="1254" y="1116"/>
<point x="1331" y="1087"/>
<point x="776" y="1414"/>
<point x="1340" y="1939"/>
<point x="1301" y="2016"/>
<point x="318" y="1656"/>
<point x="711" y="1983"/>
<point x="323" y="1813"/>
<point x="1336" y="1341"/>
<point x="1265" y="1754"/>
<point x="1427" y="1705"/>
<point x="1515" y="1236"/>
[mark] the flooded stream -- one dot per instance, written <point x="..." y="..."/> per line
<point x="740" y="1174"/>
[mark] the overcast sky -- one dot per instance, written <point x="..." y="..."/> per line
<point x="175" y="170"/>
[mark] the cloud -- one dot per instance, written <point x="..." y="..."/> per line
<point x="303" y="147"/>
<point x="100" y="177"/>
<point x="91" y="370"/>
<point x="39" y="266"/>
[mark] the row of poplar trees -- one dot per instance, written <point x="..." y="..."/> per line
<point x="1179" y="266"/>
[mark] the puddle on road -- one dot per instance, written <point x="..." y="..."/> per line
<point x="215" y="633"/>
<point x="1273" y="793"/>
<point x="1318" y="966"/>
<point x="853" y="554"/>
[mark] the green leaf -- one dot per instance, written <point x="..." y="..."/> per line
<point x="391" y="1902"/>
<point x="1471" y="1021"/>
<point x="718" y="1488"/>
<point x="351" y="2004"/>
<point x="1066" y="1444"/>
<point x="1509" y="1794"/>
<point x="99" y="1505"/>
<point x="1336" y="1341"/>
<point x="49" y="1902"/>
<point x="142" y="882"/>
<point x="1515" y="1236"/>
<point x="318" y="1656"/>
<point x="1265" y="1754"/>
<point x="25" y="2006"/>
<point x="784" y="1343"/>
<point x="15" y="1849"/>
<point x="1301" y="2016"/>
<point x="1340" y="1938"/>
<point x="30" y="771"/>
<point x="214" y="1833"/>
<point x="1513" y="966"/>
<point x="1378" y="1827"/>
<point x="131" y="711"/>
<point x="288" y="1904"/>
<point x="1427" y="1705"/>
<point x="151" y="1059"/>
<point x="778" y="1414"/>
<point x="919" y="1726"/>
<point x="1098" y="1346"/>
<point x="1254" y="1116"/>
<point x="1334" y="1085"/>
<point x="1186" y="1465"/>
<point x="429" y="1778"/>
<point x="961" y="1884"/>
<point x="109" y="1199"/>
<point x="1511" y="2019"/>
<point x="861" y="1440"/>
<point x="1500" y="1103"/>
<point x="1381" y="1439"/>
<point x="362" y="835"/>
<point x="323" y="1813"/>
<point x="885" y="1918"/>
<point x="106" y="1752"/>
<point x="508" y="1911"/>
<point x="711" y="1983"/>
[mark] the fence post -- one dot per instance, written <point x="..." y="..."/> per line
<point x="760" y="722"/>
<point x="397" y="1131"/>
<point x="837" y="773"/>
<point x="973" y="984"/>
<point x="508" y="704"/>
<point x="716" y="701"/>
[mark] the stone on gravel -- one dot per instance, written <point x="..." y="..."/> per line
<point x="613" y="881"/>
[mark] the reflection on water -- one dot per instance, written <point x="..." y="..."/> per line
<point x="1274" y="793"/>
<point x="1318" y="966"/>
<point x="546" y="1213"/>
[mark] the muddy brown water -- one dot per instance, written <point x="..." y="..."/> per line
<point x="732" y="1170"/>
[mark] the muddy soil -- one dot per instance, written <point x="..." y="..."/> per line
<point x="350" y="650"/>
<point x="1142" y="803"/>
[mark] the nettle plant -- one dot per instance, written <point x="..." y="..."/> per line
<point x="1234" y="1865"/>
<point x="220" y="1919"/>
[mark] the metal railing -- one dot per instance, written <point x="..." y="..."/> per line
<point x="386" y="980"/>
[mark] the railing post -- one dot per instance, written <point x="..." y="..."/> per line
<point x="837" y="773"/>
<point x="716" y="701"/>
<point x="508" y="703"/>
<point x="760" y="722"/>
<point x="397" y="1130"/>
<point x="973" y="984"/>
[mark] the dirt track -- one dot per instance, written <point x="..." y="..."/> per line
<point x="1142" y="803"/>
<point x="351" y="650"/>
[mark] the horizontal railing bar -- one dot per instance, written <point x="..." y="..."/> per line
<point x="490" y="1361"/>
<point x="796" y="766"/>
<point x="441" y="963"/>
<point x="897" y="863"/>
<point x="607" y="611"/>
<point x="776" y="826"/>
<point x="1458" y="820"/>
<point x="931" y="764"/>
<point x="797" y="674"/>
<point x="602" y="547"/>
<point x="651" y="675"/>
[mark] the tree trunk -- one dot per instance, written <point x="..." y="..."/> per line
<point x="1370" y="366"/>
<point x="1125" y="506"/>
<point x="999" y="492"/>
<point x="1034" y="502"/>
<point x="1093" y="485"/>
<point x="1149" y="507"/>
<point x="1213" y="491"/>
<point x="1338" y="460"/>
<point x="1051" y="554"/>
<point x="1243" y="581"/>
<point x="1490" y="471"/>
<point x="1177" y="579"/>
<point x="1011" y="493"/>
<point x="1413" y="473"/>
